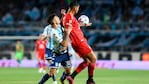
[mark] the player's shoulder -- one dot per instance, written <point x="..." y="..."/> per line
<point x="69" y="16"/>
<point x="43" y="41"/>
<point x="37" y="41"/>
<point x="48" y="26"/>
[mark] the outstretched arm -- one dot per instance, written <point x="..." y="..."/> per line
<point x="83" y="24"/>
<point x="63" y="12"/>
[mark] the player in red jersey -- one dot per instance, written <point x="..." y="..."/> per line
<point x="79" y="44"/>
<point x="40" y="49"/>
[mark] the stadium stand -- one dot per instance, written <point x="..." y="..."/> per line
<point x="118" y="25"/>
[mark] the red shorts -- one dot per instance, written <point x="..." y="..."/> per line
<point x="41" y="55"/>
<point x="82" y="49"/>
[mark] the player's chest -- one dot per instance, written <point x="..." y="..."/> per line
<point x="56" y="32"/>
<point x="75" y="24"/>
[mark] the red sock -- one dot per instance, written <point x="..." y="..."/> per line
<point x="39" y="65"/>
<point x="91" y="69"/>
<point x="81" y="66"/>
<point x="44" y="66"/>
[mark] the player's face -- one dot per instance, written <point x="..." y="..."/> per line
<point x="77" y="9"/>
<point x="56" y="21"/>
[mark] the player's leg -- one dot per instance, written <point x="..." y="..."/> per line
<point x="19" y="61"/>
<point x="85" y="51"/>
<point x="43" y="62"/>
<point x="63" y="77"/>
<point x="54" y="79"/>
<point x="80" y="67"/>
<point x="19" y="58"/>
<point x="53" y="64"/>
<point x="52" y="74"/>
<point x="47" y="76"/>
<point x="73" y="57"/>
<point x="44" y="65"/>
<point x="67" y="66"/>
<point x="39" y="65"/>
<point x="91" y="67"/>
<point x="66" y="73"/>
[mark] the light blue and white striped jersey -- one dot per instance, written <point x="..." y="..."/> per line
<point x="56" y="37"/>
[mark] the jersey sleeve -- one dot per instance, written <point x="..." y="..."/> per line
<point x="45" y="32"/>
<point x="67" y="20"/>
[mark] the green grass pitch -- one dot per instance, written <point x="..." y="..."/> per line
<point x="102" y="76"/>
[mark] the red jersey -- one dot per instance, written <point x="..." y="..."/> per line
<point x="76" y="35"/>
<point x="78" y="41"/>
<point x="40" y="45"/>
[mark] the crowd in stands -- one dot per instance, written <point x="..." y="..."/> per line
<point x="117" y="24"/>
<point x="98" y="10"/>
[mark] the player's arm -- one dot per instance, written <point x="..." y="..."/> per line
<point x="83" y="24"/>
<point x="45" y="34"/>
<point x="66" y="37"/>
<point x="63" y="12"/>
<point x="35" y="49"/>
<point x="17" y="47"/>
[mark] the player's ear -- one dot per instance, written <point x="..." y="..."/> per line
<point x="52" y="22"/>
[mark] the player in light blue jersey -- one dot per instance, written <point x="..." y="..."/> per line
<point x="57" y="47"/>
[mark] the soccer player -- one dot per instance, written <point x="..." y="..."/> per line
<point x="79" y="44"/>
<point x="19" y="52"/>
<point x="57" y="47"/>
<point x="40" y="48"/>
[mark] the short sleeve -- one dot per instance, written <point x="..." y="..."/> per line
<point x="45" y="32"/>
<point x="67" y="20"/>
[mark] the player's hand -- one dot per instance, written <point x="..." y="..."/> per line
<point x="68" y="30"/>
<point x="88" y="24"/>
<point x="48" y="36"/>
<point x="45" y="37"/>
<point x="63" y="11"/>
<point x="63" y="49"/>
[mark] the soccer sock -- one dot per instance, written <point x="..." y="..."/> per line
<point x="54" y="77"/>
<point x="19" y="61"/>
<point x="44" y="66"/>
<point x="91" y="69"/>
<point x="63" y="77"/>
<point x="79" y="69"/>
<point x="39" y="64"/>
<point x="44" y="79"/>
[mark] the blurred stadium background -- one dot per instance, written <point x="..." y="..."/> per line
<point x="119" y="35"/>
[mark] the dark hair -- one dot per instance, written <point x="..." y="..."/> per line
<point x="73" y="3"/>
<point x="50" y="18"/>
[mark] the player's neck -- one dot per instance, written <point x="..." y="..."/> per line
<point x="71" y="12"/>
<point x="54" y="26"/>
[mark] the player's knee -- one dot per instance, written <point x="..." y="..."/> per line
<point x="51" y="73"/>
<point x="93" y="58"/>
<point x="68" y="71"/>
<point x="86" y="61"/>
